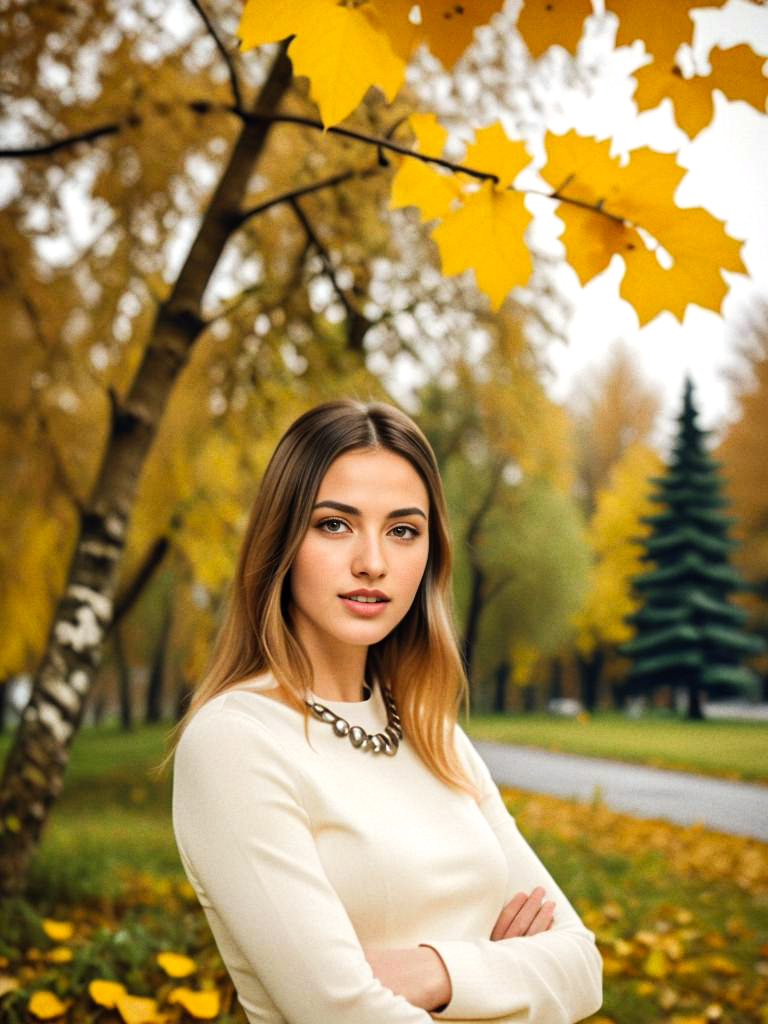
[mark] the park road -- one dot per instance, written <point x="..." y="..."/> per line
<point x="739" y="808"/>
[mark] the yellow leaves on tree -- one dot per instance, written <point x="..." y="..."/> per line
<point x="662" y="26"/>
<point x="672" y="256"/>
<point x="344" y="50"/>
<point x="614" y="526"/>
<point x="737" y="72"/>
<point x="485" y="232"/>
<point x="544" y="22"/>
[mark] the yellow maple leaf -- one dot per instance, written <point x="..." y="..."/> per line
<point x="106" y="993"/>
<point x="46" y="1005"/>
<point x="201" y="1005"/>
<point x="643" y="191"/>
<point x="176" y="965"/>
<point x="699" y="247"/>
<point x="580" y="167"/>
<point x="448" y="27"/>
<point x="662" y="25"/>
<point x="430" y="134"/>
<point x="395" y="18"/>
<point x="342" y="50"/>
<point x="59" y="931"/>
<point x="738" y="73"/>
<point x="486" y="235"/>
<point x="137" y="1009"/>
<point x="416" y="184"/>
<point x="544" y="23"/>
<point x="591" y="239"/>
<point x="691" y="97"/>
<point x="494" y="152"/>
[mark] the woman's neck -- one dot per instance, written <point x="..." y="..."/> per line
<point x="339" y="675"/>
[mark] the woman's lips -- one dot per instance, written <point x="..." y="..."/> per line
<point x="366" y="609"/>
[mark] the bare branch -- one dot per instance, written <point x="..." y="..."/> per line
<point x="46" y="148"/>
<point x="303" y="190"/>
<point x="226" y="56"/>
<point x="357" y="324"/>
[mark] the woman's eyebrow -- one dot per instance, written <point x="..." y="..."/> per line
<point x="352" y="511"/>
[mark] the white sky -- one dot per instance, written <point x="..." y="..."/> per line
<point x="726" y="175"/>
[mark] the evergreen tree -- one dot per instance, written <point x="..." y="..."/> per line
<point x="687" y="634"/>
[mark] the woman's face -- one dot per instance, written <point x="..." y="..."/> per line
<point x="368" y="537"/>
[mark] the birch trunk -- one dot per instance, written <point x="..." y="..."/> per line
<point x="34" y="769"/>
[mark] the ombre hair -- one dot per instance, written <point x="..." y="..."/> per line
<point x="419" y="659"/>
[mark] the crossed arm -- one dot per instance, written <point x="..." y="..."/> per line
<point x="421" y="976"/>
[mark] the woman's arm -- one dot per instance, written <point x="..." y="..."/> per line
<point x="553" y="977"/>
<point x="246" y="843"/>
<point x="419" y="974"/>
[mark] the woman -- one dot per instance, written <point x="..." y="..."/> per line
<point x="353" y="857"/>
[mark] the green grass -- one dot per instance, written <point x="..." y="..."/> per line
<point x="108" y="862"/>
<point x="735" y="750"/>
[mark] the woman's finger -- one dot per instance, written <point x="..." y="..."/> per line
<point x="543" y="919"/>
<point x="525" y="916"/>
<point x="507" y="915"/>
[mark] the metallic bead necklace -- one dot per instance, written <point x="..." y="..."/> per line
<point x="386" y="742"/>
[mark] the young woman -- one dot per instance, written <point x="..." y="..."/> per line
<point x="354" y="859"/>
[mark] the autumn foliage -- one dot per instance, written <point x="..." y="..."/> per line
<point x="609" y="207"/>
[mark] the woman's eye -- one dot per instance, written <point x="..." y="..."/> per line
<point x="332" y="525"/>
<point x="411" y="533"/>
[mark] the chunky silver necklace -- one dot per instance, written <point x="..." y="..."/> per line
<point x="386" y="742"/>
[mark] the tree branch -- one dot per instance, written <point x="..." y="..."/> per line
<point x="357" y="324"/>
<point x="303" y="190"/>
<point x="46" y="148"/>
<point x="233" y="80"/>
<point x="205" y="107"/>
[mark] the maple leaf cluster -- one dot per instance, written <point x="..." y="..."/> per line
<point x="672" y="256"/>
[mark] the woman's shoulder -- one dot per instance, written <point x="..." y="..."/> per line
<point x="244" y="713"/>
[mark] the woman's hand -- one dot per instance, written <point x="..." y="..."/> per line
<point x="417" y="974"/>
<point x="524" y="915"/>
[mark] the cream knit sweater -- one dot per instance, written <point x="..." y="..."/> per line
<point x="301" y="855"/>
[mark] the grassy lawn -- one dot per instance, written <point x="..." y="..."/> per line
<point x="731" y="750"/>
<point x="680" y="914"/>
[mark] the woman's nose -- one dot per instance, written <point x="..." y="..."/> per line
<point x="369" y="557"/>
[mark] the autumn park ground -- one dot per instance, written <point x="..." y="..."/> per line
<point x="680" y="914"/>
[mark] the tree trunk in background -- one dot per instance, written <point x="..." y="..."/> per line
<point x="555" y="679"/>
<point x="695" y="710"/>
<point x="34" y="769"/>
<point x="500" y="690"/>
<point x="589" y="677"/>
<point x="529" y="697"/>
<point x="4" y="691"/>
<point x="123" y="681"/>
<point x="154" y="708"/>
<point x="473" y="617"/>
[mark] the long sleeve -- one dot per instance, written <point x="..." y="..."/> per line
<point x="247" y="846"/>
<point x="554" y="977"/>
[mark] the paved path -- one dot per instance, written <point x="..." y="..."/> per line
<point x="739" y="808"/>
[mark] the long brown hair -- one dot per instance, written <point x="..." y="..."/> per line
<point x="419" y="658"/>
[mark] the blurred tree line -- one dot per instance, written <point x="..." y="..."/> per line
<point x="177" y="284"/>
<point x="544" y="499"/>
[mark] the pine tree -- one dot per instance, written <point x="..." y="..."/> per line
<point x="687" y="634"/>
